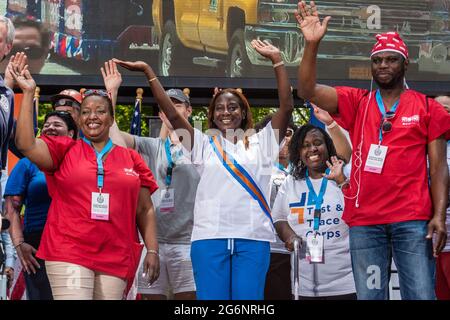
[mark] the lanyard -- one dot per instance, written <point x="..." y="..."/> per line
<point x="383" y="112"/>
<point x="100" y="171"/>
<point x="317" y="199"/>
<point x="170" y="162"/>
<point x="281" y="167"/>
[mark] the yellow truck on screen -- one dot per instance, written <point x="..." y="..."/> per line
<point x="217" y="33"/>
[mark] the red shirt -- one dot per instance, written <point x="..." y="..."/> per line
<point x="400" y="192"/>
<point x="70" y="235"/>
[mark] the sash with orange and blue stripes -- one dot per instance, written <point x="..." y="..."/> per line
<point x="241" y="176"/>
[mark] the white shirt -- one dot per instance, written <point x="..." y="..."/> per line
<point x="334" y="276"/>
<point x="223" y="208"/>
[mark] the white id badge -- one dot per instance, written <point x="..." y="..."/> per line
<point x="314" y="248"/>
<point x="167" y="200"/>
<point x="100" y="206"/>
<point x="375" y="158"/>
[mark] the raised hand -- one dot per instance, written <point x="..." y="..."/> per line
<point x="308" y="19"/>
<point x="133" y="65"/>
<point x="322" y="115"/>
<point x="216" y="91"/>
<point x="336" y="170"/>
<point x="22" y="76"/>
<point x="111" y="76"/>
<point x="267" y="50"/>
<point x="166" y="121"/>
<point x="20" y="61"/>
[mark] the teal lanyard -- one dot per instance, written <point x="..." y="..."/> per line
<point x="280" y="166"/>
<point x="99" y="155"/>
<point x="317" y="200"/>
<point x="170" y="163"/>
<point x="383" y="112"/>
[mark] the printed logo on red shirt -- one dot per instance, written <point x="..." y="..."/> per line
<point x="130" y="172"/>
<point x="409" y="121"/>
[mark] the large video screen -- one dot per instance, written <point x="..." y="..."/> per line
<point x="211" y="38"/>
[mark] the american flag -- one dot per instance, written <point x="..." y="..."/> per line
<point x="136" y="120"/>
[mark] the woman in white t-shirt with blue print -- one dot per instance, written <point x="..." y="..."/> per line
<point x="233" y="227"/>
<point x="309" y="206"/>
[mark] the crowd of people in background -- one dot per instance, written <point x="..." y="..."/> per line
<point x="242" y="211"/>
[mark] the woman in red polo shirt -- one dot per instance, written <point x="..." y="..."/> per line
<point x="99" y="191"/>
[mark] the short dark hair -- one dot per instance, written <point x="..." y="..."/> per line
<point x="102" y="94"/>
<point x="23" y="22"/>
<point x="68" y="120"/>
<point x="247" y="123"/>
<point x="298" y="168"/>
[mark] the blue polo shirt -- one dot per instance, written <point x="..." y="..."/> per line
<point x="28" y="181"/>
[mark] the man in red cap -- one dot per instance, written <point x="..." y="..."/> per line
<point x="68" y="100"/>
<point x="389" y="206"/>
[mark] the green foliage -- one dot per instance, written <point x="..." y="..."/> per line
<point x="300" y="115"/>
<point x="124" y="115"/>
<point x="44" y="108"/>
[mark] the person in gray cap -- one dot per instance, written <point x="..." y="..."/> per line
<point x="174" y="200"/>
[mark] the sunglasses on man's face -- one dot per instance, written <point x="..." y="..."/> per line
<point x="32" y="52"/>
<point x="66" y="103"/>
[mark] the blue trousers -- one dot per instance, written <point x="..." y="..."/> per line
<point x="230" y="269"/>
<point x="372" y="249"/>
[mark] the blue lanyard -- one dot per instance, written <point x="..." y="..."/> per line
<point x="170" y="163"/>
<point x="317" y="199"/>
<point x="100" y="171"/>
<point x="280" y="166"/>
<point x="383" y="111"/>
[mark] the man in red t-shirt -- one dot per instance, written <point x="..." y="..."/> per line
<point x="388" y="205"/>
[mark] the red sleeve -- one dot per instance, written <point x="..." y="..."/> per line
<point x="146" y="176"/>
<point x="348" y="103"/>
<point x="58" y="147"/>
<point x="439" y="122"/>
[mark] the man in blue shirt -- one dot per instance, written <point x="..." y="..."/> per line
<point x="6" y="94"/>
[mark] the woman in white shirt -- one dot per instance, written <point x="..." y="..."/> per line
<point x="309" y="207"/>
<point x="233" y="226"/>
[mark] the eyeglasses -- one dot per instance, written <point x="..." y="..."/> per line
<point x="386" y="125"/>
<point x="289" y="133"/>
<point x="96" y="92"/>
<point x="32" y="52"/>
<point x="66" y="103"/>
